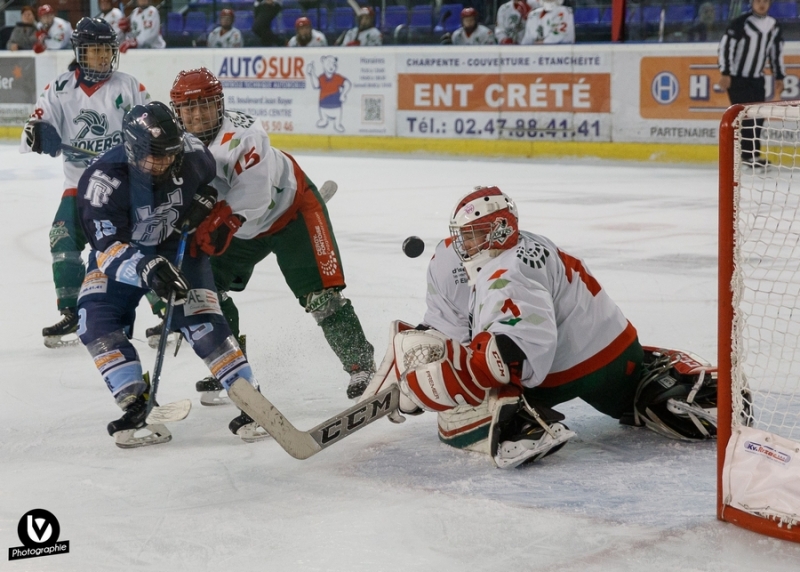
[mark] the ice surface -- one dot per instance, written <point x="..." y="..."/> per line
<point x="391" y="497"/>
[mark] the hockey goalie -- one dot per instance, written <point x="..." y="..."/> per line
<point x="515" y="326"/>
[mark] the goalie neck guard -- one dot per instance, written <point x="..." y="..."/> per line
<point x="484" y="224"/>
<point x="196" y="96"/>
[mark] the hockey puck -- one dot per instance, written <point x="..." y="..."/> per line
<point x="413" y="246"/>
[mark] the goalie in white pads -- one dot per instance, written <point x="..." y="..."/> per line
<point x="517" y="326"/>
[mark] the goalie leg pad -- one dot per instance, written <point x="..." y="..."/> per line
<point x="677" y="395"/>
<point x="466" y="427"/>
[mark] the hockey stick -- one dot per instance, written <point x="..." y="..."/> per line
<point x="304" y="444"/>
<point x="179" y="409"/>
<point x="76" y="153"/>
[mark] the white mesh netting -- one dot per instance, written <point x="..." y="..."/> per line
<point x="766" y="280"/>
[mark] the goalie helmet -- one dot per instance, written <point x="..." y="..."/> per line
<point x="196" y="96"/>
<point x="677" y="395"/>
<point x="484" y="224"/>
<point x="96" y="48"/>
<point x="153" y="140"/>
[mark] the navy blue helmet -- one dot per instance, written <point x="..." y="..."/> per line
<point x="152" y="130"/>
<point x="96" y="48"/>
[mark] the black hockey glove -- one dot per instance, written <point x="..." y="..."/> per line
<point x="42" y="137"/>
<point x="163" y="278"/>
<point x="202" y="203"/>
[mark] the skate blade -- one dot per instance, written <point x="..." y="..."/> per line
<point x="67" y="340"/>
<point x="147" y="435"/>
<point x="153" y="341"/>
<point x="170" y="412"/>
<point x="213" y="398"/>
<point x="251" y="433"/>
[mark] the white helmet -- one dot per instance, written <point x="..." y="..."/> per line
<point x="484" y="224"/>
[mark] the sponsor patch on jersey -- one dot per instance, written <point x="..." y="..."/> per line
<point x="201" y="301"/>
<point x="95" y="282"/>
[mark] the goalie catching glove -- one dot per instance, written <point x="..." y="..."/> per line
<point x="215" y="233"/>
<point x="438" y="373"/>
<point x="163" y="278"/>
<point x="42" y="137"/>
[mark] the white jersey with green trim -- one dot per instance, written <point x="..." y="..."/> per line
<point x="255" y="179"/>
<point x="87" y="117"/>
<point x="542" y="298"/>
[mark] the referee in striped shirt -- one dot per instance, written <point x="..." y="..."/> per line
<point x="750" y="40"/>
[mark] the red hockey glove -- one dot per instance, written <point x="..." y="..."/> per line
<point x="128" y="44"/>
<point x="214" y="234"/>
<point x="506" y="41"/>
<point x="442" y="373"/>
<point x="124" y="25"/>
<point x="39" y="47"/>
<point x="353" y="43"/>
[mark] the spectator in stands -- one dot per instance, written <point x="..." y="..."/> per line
<point x="305" y="35"/>
<point x="263" y="15"/>
<point x="225" y="35"/>
<point x="23" y="36"/>
<point x="145" y="28"/>
<point x="365" y="33"/>
<point x="511" y="19"/>
<point x="704" y="28"/>
<point x="551" y="23"/>
<point x="54" y="33"/>
<point x="471" y="32"/>
<point x="111" y="14"/>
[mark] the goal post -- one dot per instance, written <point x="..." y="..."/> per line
<point x="758" y="435"/>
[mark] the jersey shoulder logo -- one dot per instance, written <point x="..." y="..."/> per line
<point x="100" y="188"/>
<point x="534" y="254"/>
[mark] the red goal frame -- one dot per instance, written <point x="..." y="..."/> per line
<point x="727" y="184"/>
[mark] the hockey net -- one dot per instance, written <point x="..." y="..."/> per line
<point x="759" y="321"/>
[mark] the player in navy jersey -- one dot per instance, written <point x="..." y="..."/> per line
<point x="132" y="203"/>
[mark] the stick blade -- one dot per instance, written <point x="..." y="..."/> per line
<point x="327" y="190"/>
<point x="170" y="412"/>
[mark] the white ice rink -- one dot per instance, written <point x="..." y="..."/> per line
<point x="391" y="497"/>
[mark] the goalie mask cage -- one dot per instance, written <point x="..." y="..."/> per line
<point x="758" y="439"/>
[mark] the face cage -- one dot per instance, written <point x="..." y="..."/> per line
<point x="208" y="131"/>
<point x="136" y="154"/>
<point x="479" y="234"/>
<point x="95" y="75"/>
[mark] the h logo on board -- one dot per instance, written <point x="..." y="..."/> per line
<point x="38" y="530"/>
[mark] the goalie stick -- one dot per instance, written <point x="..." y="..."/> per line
<point x="303" y="444"/>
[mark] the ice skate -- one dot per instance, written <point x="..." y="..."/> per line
<point x="131" y="430"/>
<point x="154" y="335"/>
<point x="248" y="430"/>
<point x="359" y="380"/>
<point x="63" y="333"/>
<point x="211" y="392"/>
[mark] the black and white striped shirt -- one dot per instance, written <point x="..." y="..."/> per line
<point x="746" y="45"/>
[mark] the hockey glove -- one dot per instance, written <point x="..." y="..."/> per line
<point x="38" y="48"/>
<point x="42" y="137"/>
<point x="202" y="204"/>
<point x="442" y="373"/>
<point x="163" y="278"/>
<point x="214" y="234"/>
<point x="127" y="45"/>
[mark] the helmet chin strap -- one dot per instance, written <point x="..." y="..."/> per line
<point x="474" y="265"/>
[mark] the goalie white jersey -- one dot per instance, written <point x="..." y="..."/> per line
<point x="542" y="298"/>
<point x="146" y="28"/>
<point x="87" y="117"/>
<point x="550" y="25"/>
<point x="258" y="181"/>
